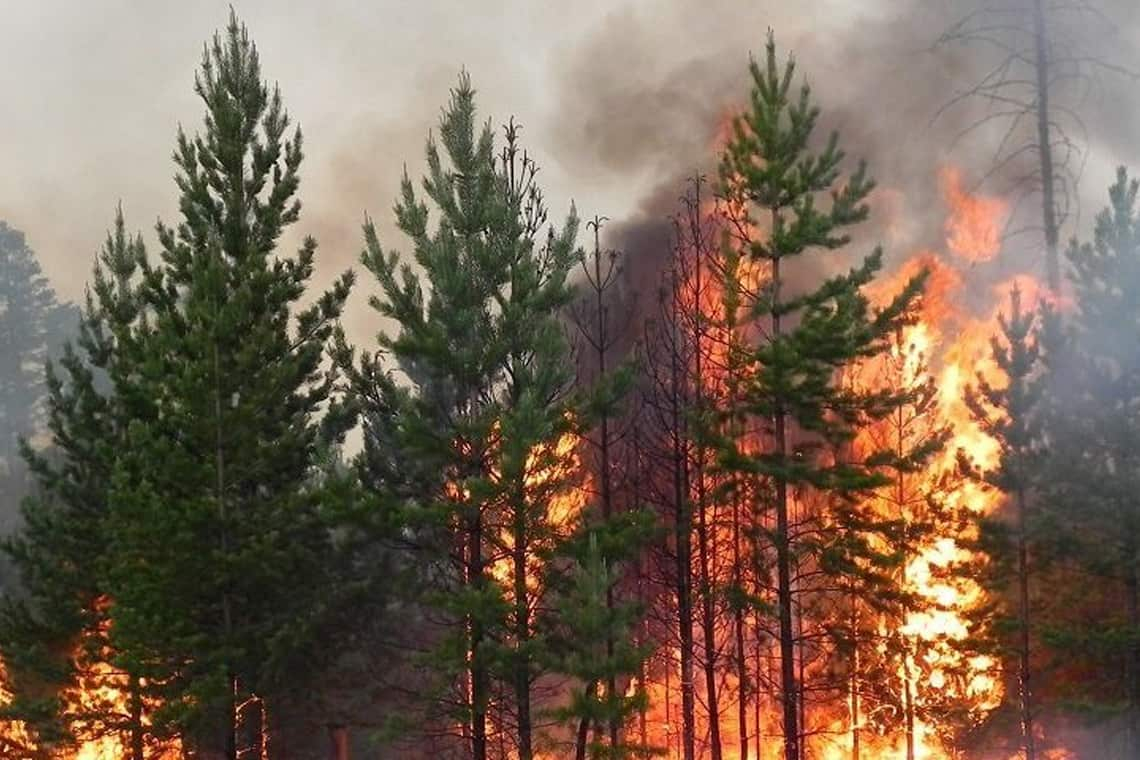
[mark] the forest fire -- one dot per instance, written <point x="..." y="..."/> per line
<point x="738" y="485"/>
<point x="99" y="709"/>
<point x="942" y="351"/>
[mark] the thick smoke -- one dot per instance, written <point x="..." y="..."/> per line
<point x="647" y="93"/>
<point x="620" y="103"/>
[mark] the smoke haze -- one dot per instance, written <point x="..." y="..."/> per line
<point x="620" y="101"/>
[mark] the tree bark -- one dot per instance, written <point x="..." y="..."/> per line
<point x="854" y="686"/>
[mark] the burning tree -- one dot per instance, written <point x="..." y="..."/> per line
<point x="70" y="686"/>
<point x="684" y="382"/>
<point x="1010" y="411"/>
<point x="807" y="338"/>
<point x="618" y="525"/>
<point x="469" y="439"/>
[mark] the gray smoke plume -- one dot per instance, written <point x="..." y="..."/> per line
<point x="647" y="92"/>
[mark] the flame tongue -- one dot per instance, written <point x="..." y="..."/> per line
<point x="974" y="227"/>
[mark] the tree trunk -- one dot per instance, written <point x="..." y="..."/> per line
<point x="908" y="701"/>
<point x="223" y="520"/>
<point x="738" y="631"/>
<point x="789" y="690"/>
<point x="708" y="620"/>
<point x="584" y="727"/>
<point x="138" y="731"/>
<point x="707" y="616"/>
<point x="522" y="637"/>
<point x="756" y="695"/>
<point x="477" y="671"/>
<point x="854" y="686"/>
<point x="338" y="742"/>
<point x="1132" y="587"/>
<point x="1026" y="692"/>
<point x="683" y="536"/>
<point x="1045" y="149"/>
<point x="232" y="721"/>
<point x="604" y="473"/>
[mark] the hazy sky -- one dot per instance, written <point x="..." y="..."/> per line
<point x="618" y="98"/>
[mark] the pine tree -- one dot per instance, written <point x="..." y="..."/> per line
<point x="217" y="566"/>
<point x="1089" y="499"/>
<point x="909" y="511"/>
<point x="469" y="439"/>
<point x="666" y="437"/>
<point x="601" y="317"/>
<point x="594" y="643"/>
<point x="30" y="318"/>
<point x="808" y="338"/>
<point x="53" y="634"/>
<point x="1010" y="414"/>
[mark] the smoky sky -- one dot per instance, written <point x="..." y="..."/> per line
<point x="619" y="102"/>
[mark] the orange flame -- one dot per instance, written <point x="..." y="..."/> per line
<point x="973" y="230"/>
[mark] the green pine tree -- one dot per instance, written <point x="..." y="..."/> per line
<point x="770" y="168"/>
<point x="594" y="643"/>
<point x="466" y="436"/>
<point x="1011" y="415"/>
<point x="53" y="633"/>
<point x="217" y="570"/>
<point x="30" y="322"/>
<point x="1089" y="509"/>
<point x="884" y="667"/>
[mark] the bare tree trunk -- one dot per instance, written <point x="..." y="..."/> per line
<point x="683" y="535"/>
<point x="600" y="280"/>
<point x="738" y="631"/>
<point x="707" y="615"/>
<point x="756" y="694"/>
<point x="1045" y="149"/>
<point x="708" y="620"/>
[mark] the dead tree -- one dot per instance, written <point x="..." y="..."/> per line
<point x="1045" y="67"/>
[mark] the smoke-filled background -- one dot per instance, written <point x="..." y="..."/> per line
<point x="620" y="102"/>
